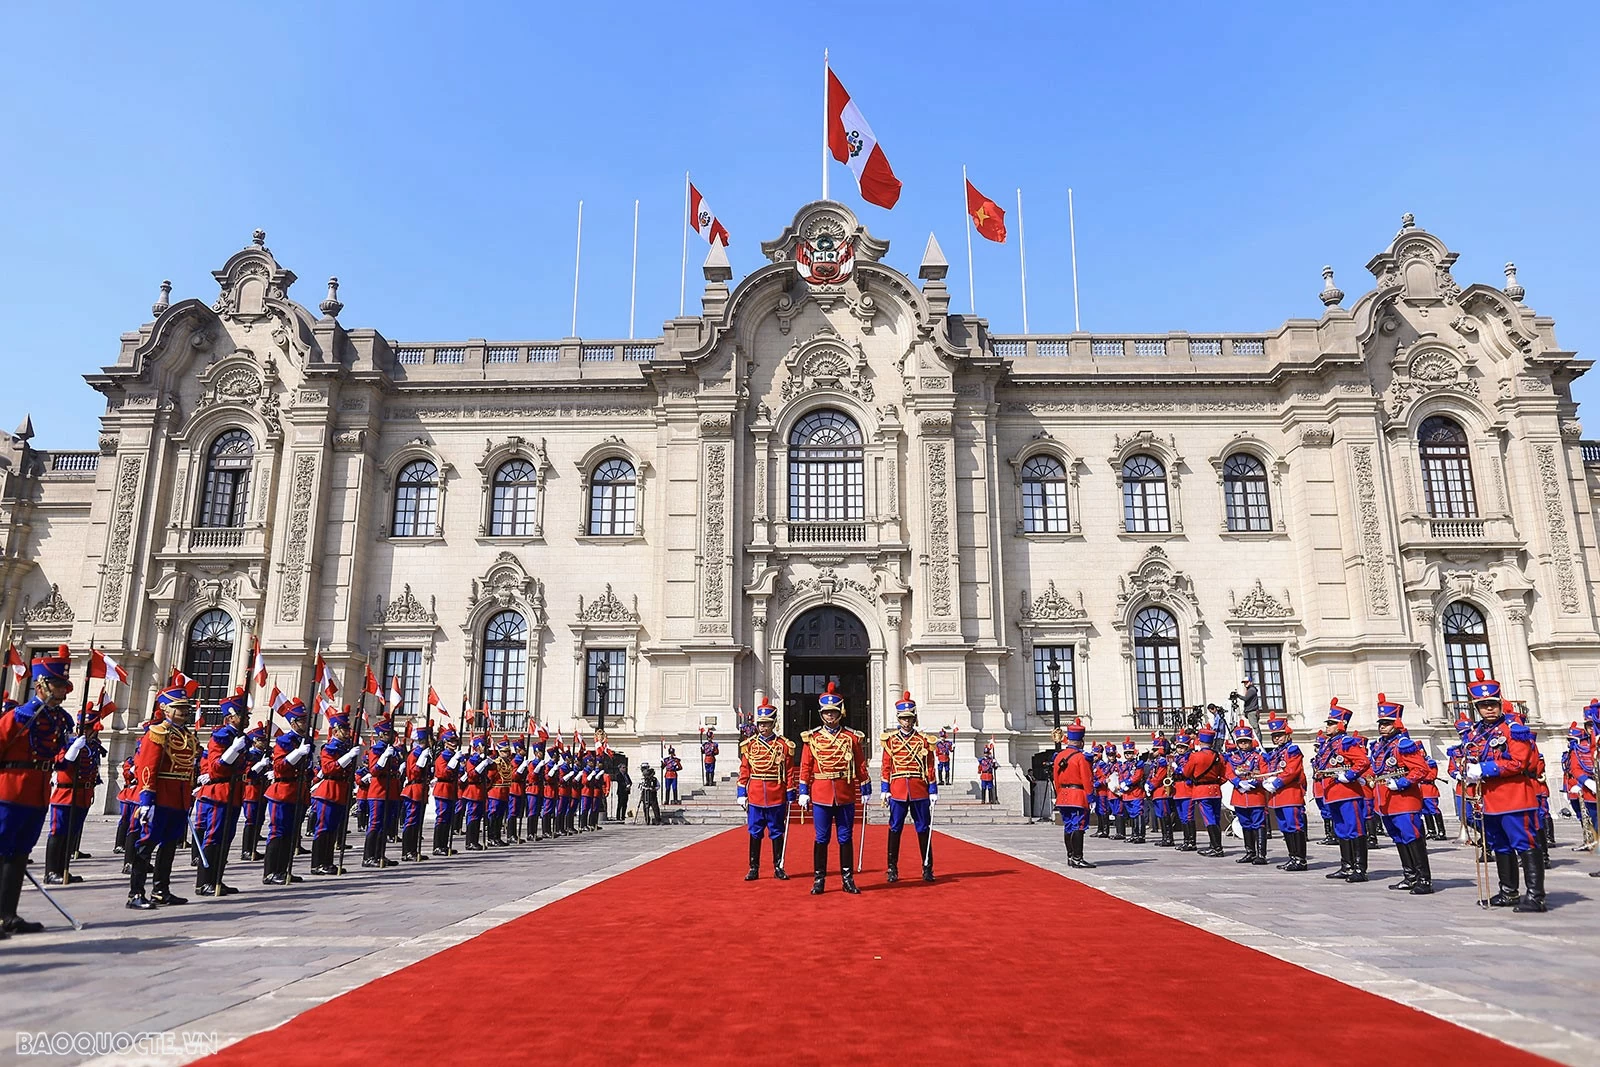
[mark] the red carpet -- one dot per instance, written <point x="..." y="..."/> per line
<point x="999" y="962"/>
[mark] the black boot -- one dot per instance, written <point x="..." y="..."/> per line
<point x="925" y="842"/>
<point x="473" y="827"/>
<point x="1506" y="867"/>
<point x="1188" y="838"/>
<point x="247" y="842"/>
<point x="819" y="866"/>
<point x="369" y="848"/>
<point x="1249" y="847"/>
<point x="1423" y="883"/>
<point x="121" y="845"/>
<point x="1346" y="861"/>
<point x="270" y="873"/>
<point x="893" y="874"/>
<point x="1121" y="833"/>
<point x="847" y="878"/>
<point x="1408" y="867"/>
<point x="441" y="837"/>
<point x="1261" y="848"/>
<point x="1327" y="833"/>
<point x="163" y="877"/>
<point x="1214" y="836"/>
<point x="1533" y="871"/>
<point x="139" y="858"/>
<point x="1075" y="858"/>
<point x="55" y="861"/>
<point x="778" y="848"/>
<point x="1359" y="854"/>
<point x="755" y="859"/>
<point x="1372" y="831"/>
<point x="1138" y="830"/>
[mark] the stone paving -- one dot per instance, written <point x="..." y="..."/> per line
<point x="1530" y="980"/>
<point x="250" y="962"/>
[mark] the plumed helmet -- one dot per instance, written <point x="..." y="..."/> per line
<point x="1390" y="710"/>
<point x="235" y="703"/>
<point x="55" y="667"/>
<point x="905" y="707"/>
<point x="1337" y="713"/>
<point x="1483" y="688"/>
<point x="1075" y="731"/>
<point x="765" y="712"/>
<point x="830" y="698"/>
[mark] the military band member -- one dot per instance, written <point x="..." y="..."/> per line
<point x="945" y="749"/>
<point x="1578" y="777"/>
<point x="1500" y="756"/>
<point x="337" y="763"/>
<point x="498" y="796"/>
<point x="77" y="771"/>
<point x="165" y="768"/>
<point x="446" y="790"/>
<point x="708" y="755"/>
<point x="291" y="775"/>
<point x="1073" y="777"/>
<point x="767" y="786"/>
<point x="1246" y="769"/>
<point x="909" y="784"/>
<point x="30" y="736"/>
<point x="418" y="774"/>
<point x="1183" y="791"/>
<point x="1162" y="776"/>
<point x="669" y="776"/>
<point x="833" y="775"/>
<point x="221" y="795"/>
<point x="516" y="803"/>
<point x="1131" y="777"/>
<point x="1432" y="820"/>
<point x="1102" y="791"/>
<point x="386" y="765"/>
<point x="1342" y="764"/>
<point x="1399" y="769"/>
<point x="1285" y="788"/>
<point x="1319" y="789"/>
<point x="1203" y="770"/>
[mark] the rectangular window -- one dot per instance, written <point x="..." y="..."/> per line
<point x="1044" y="507"/>
<point x="1263" y="665"/>
<point x="616" y="661"/>
<point x="405" y="664"/>
<point x="1053" y="689"/>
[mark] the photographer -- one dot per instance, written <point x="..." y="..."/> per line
<point x="1248" y="704"/>
<point x="649" y="801"/>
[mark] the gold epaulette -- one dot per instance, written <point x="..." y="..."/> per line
<point x="158" y="732"/>
<point x="805" y="736"/>
<point x="745" y="743"/>
<point x="884" y="737"/>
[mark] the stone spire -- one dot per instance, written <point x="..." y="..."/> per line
<point x="718" y="273"/>
<point x="25" y="431"/>
<point x="1331" y="294"/>
<point x="1513" y="290"/>
<point x="163" y="301"/>
<point x="932" y="272"/>
<point x="331" y="307"/>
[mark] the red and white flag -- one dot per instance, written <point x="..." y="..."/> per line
<point x="435" y="702"/>
<point x="395" y="695"/>
<point x="258" y="667"/>
<point x="278" y="699"/>
<point x="372" y="686"/>
<point x="14" y="660"/>
<point x="103" y="666"/>
<point x="853" y="143"/>
<point x="704" y="220"/>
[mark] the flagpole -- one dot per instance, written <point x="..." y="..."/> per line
<point x="972" y="300"/>
<point x="683" y="266"/>
<point x="824" y="124"/>
<point x="633" y="277"/>
<point x="1022" y="251"/>
<point x="577" y="263"/>
<point x="1072" y="228"/>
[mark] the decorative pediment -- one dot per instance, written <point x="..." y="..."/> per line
<point x="608" y="608"/>
<point x="497" y="452"/>
<point x="507" y="583"/>
<point x="1051" y="606"/>
<point x="53" y="609"/>
<point x="1154" y="581"/>
<point x="1420" y="263"/>
<point x="249" y="280"/>
<point x="1425" y="368"/>
<point x="407" y="610"/>
<point x="827" y="361"/>
<point x="828" y="222"/>
<point x="827" y="582"/>
<point x="1259" y="604"/>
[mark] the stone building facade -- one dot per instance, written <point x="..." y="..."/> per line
<point x="828" y="475"/>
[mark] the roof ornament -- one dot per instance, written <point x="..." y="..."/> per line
<point x="1513" y="290"/>
<point x="1331" y="294"/>
<point x="163" y="301"/>
<point x="331" y="306"/>
<point x="24" y="432"/>
<point x="259" y="238"/>
<point x="1408" y="221"/>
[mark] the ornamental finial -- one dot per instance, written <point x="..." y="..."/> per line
<point x="331" y="306"/>
<point x="1331" y="294"/>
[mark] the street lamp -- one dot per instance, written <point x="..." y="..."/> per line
<point x="1054" y="670"/>
<point x="602" y="686"/>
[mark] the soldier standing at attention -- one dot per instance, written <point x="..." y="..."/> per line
<point x="833" y="775"/>
<point x="222" y="772"/>
<point x="669" y="776"/>
<point x="290" y="751"/>
<point x="1073" y="776"/>
<point x="1285" y="787"/>
<point x="386" y="765"/>
<point x="766" y="788"/>
<point x="1342" y="764"/>
<point x="332" y="794"/>
<point x="945" y="749"/>
<point x="30" y="736"/>
<point x="446" y="789"/>
<point x="1500" y="756"/>
<point x="1246" y="768"/>
<point x="987" y="765"/>
<point x="708" y="755"/>
<point x="165" y="767"/>
<point x="907" y="784"/>
<point x="1401" y="766"/>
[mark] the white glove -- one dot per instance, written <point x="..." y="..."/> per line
<point x="455" y="759"/>
<point x="262" y="764"/>
<point x="1114" y="783"/>
<point x="425" y="755"/>
<point x="1391" y="784"/>
<point x="75" y="749"/>
<point x="883" y="799"/>
<point x="1588" y="783"/>
<point x="933" y="798"/>
<point x="298" y="754"/>
<point x="1474" y="772"/>
<point x="142" y="813"/>
<point x="1575" y="791"/>
<point x="203" y="779"/>
<point x="1347" y="777"/>
<point x="234" y="750"/>
<point x="349" y="757"/>
<point x="1245" y="787"/>
<point x="805" y="800"/>
<point x="744" y="803"/>
<point x="387" y="757"/>
<point x="1272" y="785"/>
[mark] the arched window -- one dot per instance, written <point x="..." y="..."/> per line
<point x="1044" y="496"/>
<point x="611" y="498"/>
<point x="1244" y="490"/>
<point x="512" y="513"/>
<point x="505" y="662"/>
<point x="416" y="500"/>
<point x="208" y="656"/>
<point x="825" y="469"/>
<point x="1144" y="496"/>
<point x="1446" y="469"/>
<point x="1158" y="673"/>
<point x="1466" y="647"/>
<point x="227" y="490"/>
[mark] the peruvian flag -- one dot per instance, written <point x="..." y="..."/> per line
<point x="258" y="669"/>
<point x="14" y="660"/>
<point x="435" y="702"/>
<point x="278" y="700"/>
<point x="853" y="143"/>
<point x="395" y="695"/>
<point x="178" y="679"/>
<point x="371" y="686"/>
<point x="988" y="218"/>
<point x="704" y="220"/>
<point x="103" y="666"/>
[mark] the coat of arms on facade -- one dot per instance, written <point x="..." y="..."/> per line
<point x="826" y="257"/>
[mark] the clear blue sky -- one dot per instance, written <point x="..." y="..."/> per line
<point x="432" y="157"/>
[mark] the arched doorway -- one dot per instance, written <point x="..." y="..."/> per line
<point x="826" y="644"/>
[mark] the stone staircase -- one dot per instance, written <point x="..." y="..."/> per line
<point x="958" y="804"/>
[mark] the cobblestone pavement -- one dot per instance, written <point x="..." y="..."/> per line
<point x="249" y="962"/>
<point x="1530" y="980"/>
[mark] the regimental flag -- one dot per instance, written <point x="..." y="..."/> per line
<point x="278" y="700"/>
<point x="14" y="660"/>
<point x="371" y="685"/>
<point x="395" y="696"/>
<point x="435" y="702"/>
<point x="258" y="668"/>
<point x="853" y="143"/>
<point x="103" y="666"/>
<point x="178" y="678"/>
<point x="988" y="218"/>
<point x="704" y="220"/>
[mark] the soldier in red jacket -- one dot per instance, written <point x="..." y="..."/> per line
<point x="77" y="772"/>
<point x="1246" y="768"/>
<point x="414" y="793"/>
<point x="1073" y="777"/>
<point x="1400" y="766"/>
<point x="477" y="771"/>
<point x="337" y="762"/>
<point x="1342" y="764"/>
<point x="833" y="775"/>
<point x="221" y="795"/>
<point x="287" y="793"/>
<point x="257" y="775"/>
<point x="127" y="803"/>
<point x="1285" y="788"/>
<point x="30" y="736"/>
<point x="767" y="779"/>
<point x="386" y="764"/>
<point x="446" y="790"/>
<point x="909" y="783"/>
<point x="1500" y="761"/>
<point x="165" y="768"/>
<point x="1203" y="770"/>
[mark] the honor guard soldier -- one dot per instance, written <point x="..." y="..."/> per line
<point x="498" y="796"/>
<point x="254" y="811"/>
<point x="1399" y="769"/>
<point x="1342" y="765"/>
<point x="165" y="768"/>
<point x="475" y="772"/>
<point x="1132" y="780"/>
<point x="446" y="790"/>
<point x="1578" y="765"/>
<point x="1500" y="756"/>
<point x="1203" y="770"/>
<point x="1285" y="788"/>
<point x="127" y="802"/>
<point x="987" y="765"/>
<point x="1073" y="777"/>
<point x="31" y="734"/>
<point x="77" y="771"/>
<point x="221" y="796"/>
<point x="669" y="776"/>
<point x="414" y="793"/>
<point x="708" y="755"/>
<point x="386" y="765"/>
<point x="909" y="783"/>
<point x="1432" y="820"/>
<point x="1102" y="792"/>
<point x="331" y="797"/>
<point x="291" y="771"/>
<point x="767" y="779"/>
<point x="1162" y="776"/>
<point x="945" y="749"/>
<point x="516" y="806"/>
<point x="833" y="775"/>
<point x="1246" y="769"/>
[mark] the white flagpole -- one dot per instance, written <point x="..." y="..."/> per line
<point x="824" y="124"/>
<point x="683" y="266"/>
<point x="577" y="263"/>
<point x="1022" y="251"/>
<point x="972" y="301"/>
<point x="633" y="277"/>
<point x="1072" y="228"/>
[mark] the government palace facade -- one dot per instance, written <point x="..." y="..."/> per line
<point x="827" y="475"/>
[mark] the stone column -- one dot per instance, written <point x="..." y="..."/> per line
<point x="1522" y="660"/>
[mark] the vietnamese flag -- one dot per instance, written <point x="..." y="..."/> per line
<point x="988" y="218"/>
<point x="853" y="143"/>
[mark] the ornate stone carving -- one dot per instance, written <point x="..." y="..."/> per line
<point x="608" y="607"/>
<point x="716" y="424"/>
<point x="108" y="444"/>
<point x="827" y="582"/>
<point x="1371" y="525"/>
<point x="1555" y="511"/>
<point x="179" y="487"/>
<point x="349" y="440"/>
<point x="937" y="422"/>
<point x="1428" y="368"/>
<point x="1571" y="430"/>
<point x="826" y="361"/>
<point x="407" y="610"/>
<point x="238" y="384"/>
<point x="1062" y="407"/>
<point x="1051" y="606"/>
<point x="1259" y="604"/>
<point x="939" y="526"/>
<point x="1154" y="580"/>
<point x="933" y="383"/>
<point x="1529" y="383"/>
<point x="310" y="396"/>
<point x="716" y="525"/>
<point x="1316" y="436"/>
<point x="352" y="403"/>
<point x="209" y="591"/>
<point x="298" y="549"/>
<point x="52" y="609"/>
<point x="121" y="538"/>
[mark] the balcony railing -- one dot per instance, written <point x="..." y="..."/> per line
<point x="1169" y="719"/>
<point x="74" y="462"/>
<point x="220" y="539"/>
<point x="1591" y="451"/>
<point x="1454" y="709"/>
<point x="1456" y="529"/>
<point x="827" y="533"/>
<point x="216" y="537"/>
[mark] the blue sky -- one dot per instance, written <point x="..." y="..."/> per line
<point x="433" y="156"/>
